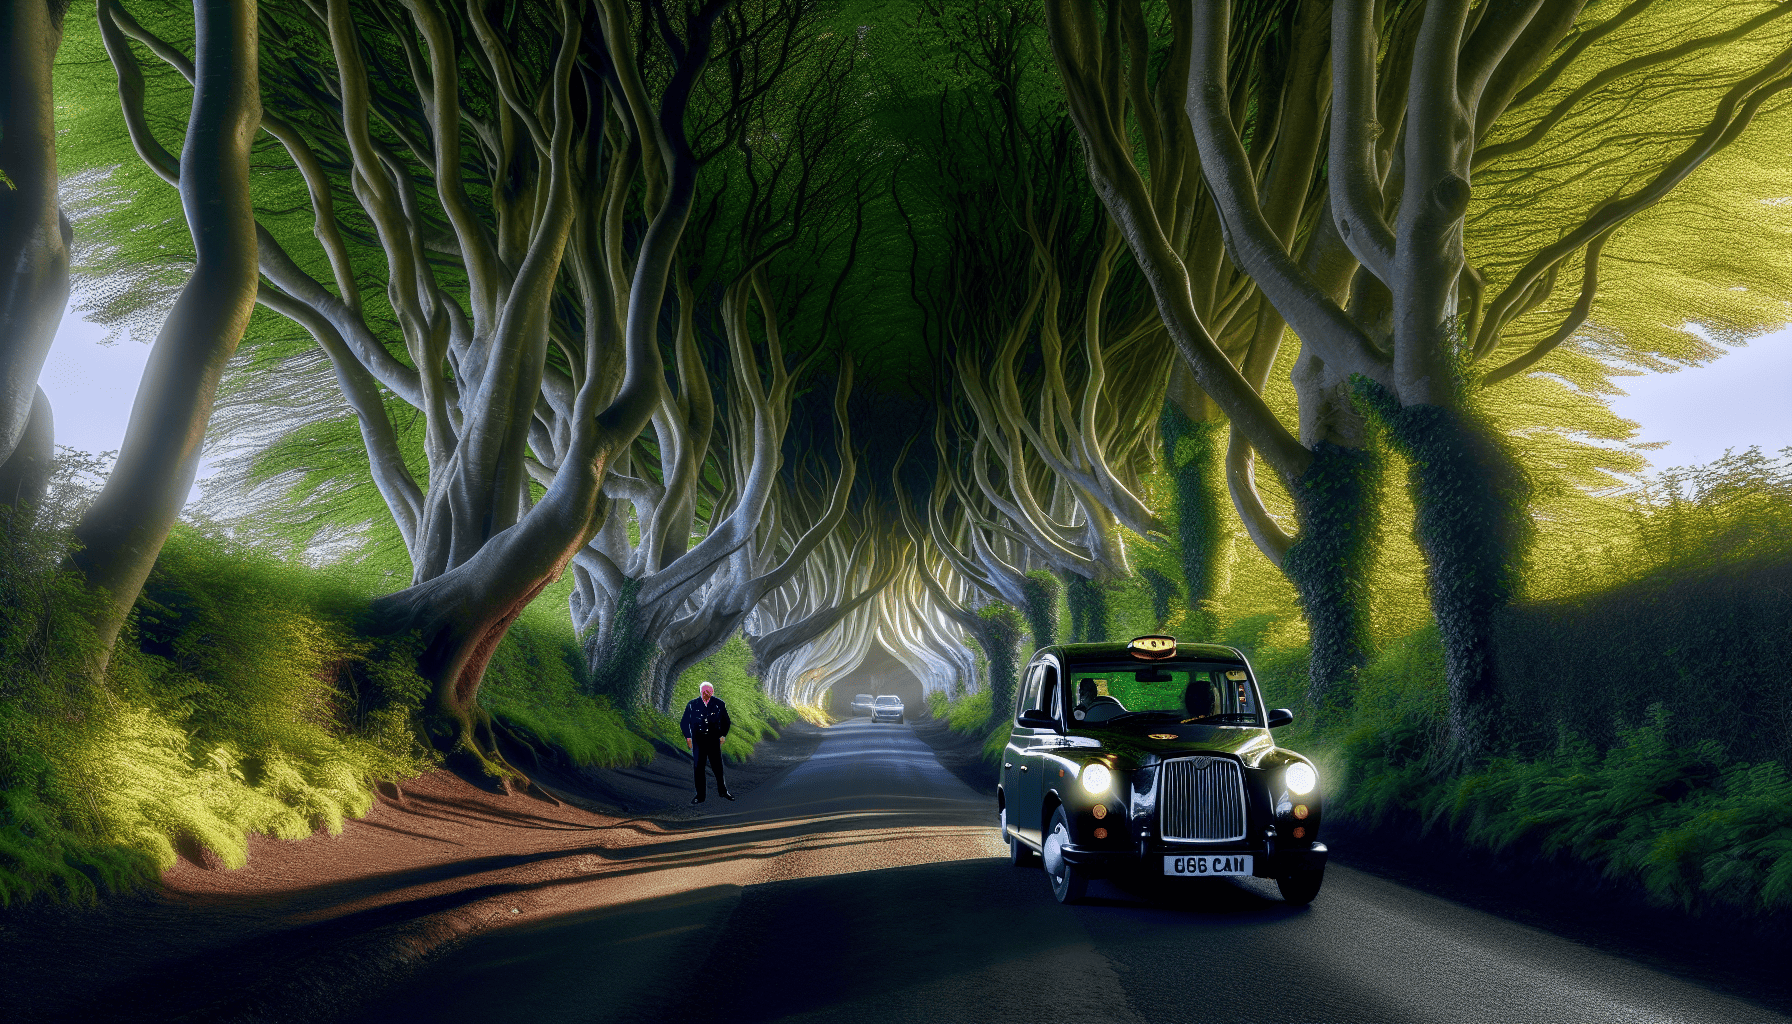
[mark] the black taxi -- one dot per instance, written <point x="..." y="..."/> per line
<point x="1155" y="757"/>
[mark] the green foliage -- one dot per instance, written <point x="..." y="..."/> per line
<point x="535" y="685"/>
<point x="1696" y="623"/>
<point x="938" y="704"/>
<point x="240" y="700"/>
<point x="1164" y="592"/>
<point x="1685" y="820"/>
<point x="1331" y="562"/>
<point x="970" y="713"/>
<point x="1689" y="820"/>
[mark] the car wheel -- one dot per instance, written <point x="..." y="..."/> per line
<point x="1299" y="888"/>
<point x="1069" y="883"/>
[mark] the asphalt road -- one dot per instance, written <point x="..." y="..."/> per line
<point x="868" y="884"/>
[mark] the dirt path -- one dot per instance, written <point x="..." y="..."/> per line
<point x="307" y="926"/>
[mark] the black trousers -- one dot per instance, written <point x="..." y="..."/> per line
<point x="707" y="748"/>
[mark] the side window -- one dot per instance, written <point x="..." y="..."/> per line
<point x="1023" y="701"/>
<point x="1049" y="691"/>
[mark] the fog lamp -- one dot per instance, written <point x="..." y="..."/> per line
<point x="1096" y="778"/>
<point x="1300" y="810"/>
<point x="1301" y="778"/>
<point x="1100" y="811"/>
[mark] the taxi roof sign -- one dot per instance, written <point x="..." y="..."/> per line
<point x="1152" y="647"/>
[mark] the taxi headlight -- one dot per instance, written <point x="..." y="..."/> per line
<point x="1301" y="778"/>
<point x="1096" y="778"/>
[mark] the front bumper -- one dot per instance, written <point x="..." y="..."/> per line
<point x="1148" y="858"/>
<point x="886" y="716"/>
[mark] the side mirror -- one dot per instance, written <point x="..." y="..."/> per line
<point x="1280" y="717"/>
<point x="1036" y="719"/>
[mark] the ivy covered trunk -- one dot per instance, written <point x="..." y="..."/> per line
<point x="1088" y="601"/>
<point x="998" y="633"/>
<point x="1470" y="496"/>
<point x="619" y="652"/>
<point x="1195" y="454"/>
<point x="1041" y="609"/>
<point x="1329" y="564"/>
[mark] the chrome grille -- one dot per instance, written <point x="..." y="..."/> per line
<point x="1201" y="800"/>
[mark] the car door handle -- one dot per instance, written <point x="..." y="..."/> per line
<point x="1023" y="767"/>
<point x="1007" y="764"/>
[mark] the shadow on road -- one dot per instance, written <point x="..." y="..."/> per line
<point x="850" y="946"/>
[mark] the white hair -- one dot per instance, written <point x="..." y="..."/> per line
<point x="707" y="685"/>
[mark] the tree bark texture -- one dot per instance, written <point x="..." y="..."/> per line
<point x="1194" y="455"/>
<point x="122" y="533"/>
<point x="34" y="241"/>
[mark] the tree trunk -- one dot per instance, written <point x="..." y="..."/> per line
<point x="1088" y="600"/>
<point x="34" y="241"/>
<point x="1041" y="609"/>
<point x="1329" y="562"/>
<point x="1195" y="454"/>
<point x="1471" y="524"/>
<point x="998" y="633"/>
<point x="621" y="652"/>
<point x="461" y="620"/>
<point x="123" y="532"/>
<point x="25" y="476"/>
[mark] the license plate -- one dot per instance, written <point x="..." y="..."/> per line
<point x="1223" y="865"/>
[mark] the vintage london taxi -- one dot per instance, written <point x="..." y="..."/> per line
<point x="1155" y="757"/>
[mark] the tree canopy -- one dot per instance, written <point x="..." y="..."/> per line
<point x="902" y="323"/>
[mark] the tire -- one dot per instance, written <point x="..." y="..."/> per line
<point x="1020" y="855"/>
<point x="1069" y="883"/>
<point x="1299" y="888"/>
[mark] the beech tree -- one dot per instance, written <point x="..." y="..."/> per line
<point x="1048" y="374"/>
<point x="119" y="536"/>
<point x="658" y="603"/>
<point x="498" y="215"/>
<point x="1365" y="257"/>
<point x="34" y="239"/>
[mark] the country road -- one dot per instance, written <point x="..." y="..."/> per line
<point x="867" y="883"/>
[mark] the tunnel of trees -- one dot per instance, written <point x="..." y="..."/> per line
<point x="927" y="332"/>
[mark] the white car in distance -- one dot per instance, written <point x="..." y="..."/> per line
<point x="887" y="708"/>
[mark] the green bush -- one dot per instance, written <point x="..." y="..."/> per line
<point x="240" y="699"/>
<point x="969" y="713"/>
<point x="938" y="704"/>
<point x="535" y="686"/>
<point x="1687" y="820"/>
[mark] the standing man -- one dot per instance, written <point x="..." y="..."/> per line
<point x="705" y="726"/>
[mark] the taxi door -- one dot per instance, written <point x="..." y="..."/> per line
<point x="1027" y="746"/>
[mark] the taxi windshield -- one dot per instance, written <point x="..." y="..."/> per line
<point x="1106" y="696"/>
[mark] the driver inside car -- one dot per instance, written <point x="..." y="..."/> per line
<point x="1092" y="705"/>
<point x="1202" y="699"/>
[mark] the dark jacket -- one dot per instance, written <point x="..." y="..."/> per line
<point x="706" y="722"/>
